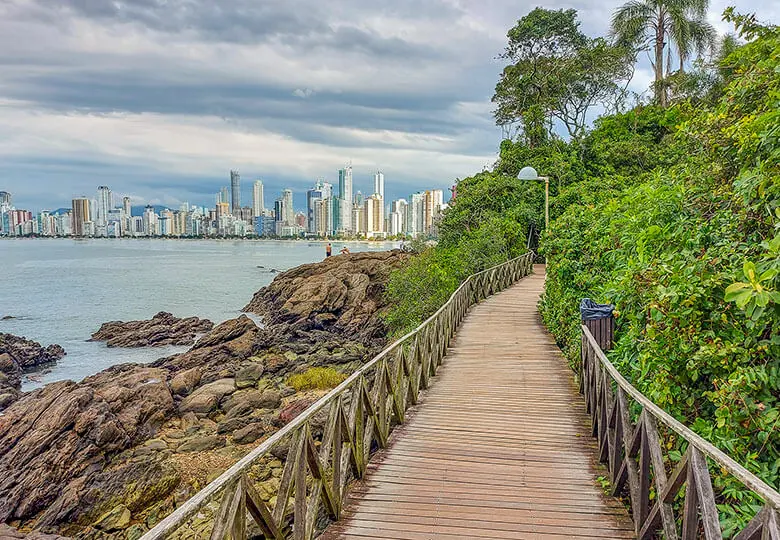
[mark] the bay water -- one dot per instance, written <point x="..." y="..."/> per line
<point x="61" y="290"/>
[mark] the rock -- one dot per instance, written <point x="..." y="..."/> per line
<point x="201" y="444"/>
<point x="185" y="382"/>
<point x="115" y="519"/>
<point x="18" y="355"/>
<point x="293" y="409"/>
<point x="346" y="287"/>
<point x="9" y="533"/>
<point x="57" y="440"/>
<point x="162" y="329"/>
<point x="135" y="532"/>
<point x="248" y="376"/>
<point x="189" y="420"/>
<point x="7" y="318"/>
<point x="253" y="399"/>
<point x="156" y="444"/>
<point x="206" y="398"/>
<point x="229" y="425"/>
<point x="275" y="362"/>
<point x="249" y="433"/>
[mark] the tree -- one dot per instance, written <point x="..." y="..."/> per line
<point x="659" y="24"/>
<point x="556" y="73"/>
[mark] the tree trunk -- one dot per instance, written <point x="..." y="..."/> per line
<point x="660" y="31"/>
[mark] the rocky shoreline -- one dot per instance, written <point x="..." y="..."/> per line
<point x="110" y="456"/>
<point x="161" y="330"/>
<point x="17" y="356"/>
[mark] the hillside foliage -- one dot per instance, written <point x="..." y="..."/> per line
<point x="671" y="213"/>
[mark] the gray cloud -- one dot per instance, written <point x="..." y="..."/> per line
<point x="162" y="97"/>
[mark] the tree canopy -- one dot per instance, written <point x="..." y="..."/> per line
<point x="556" y="73"/>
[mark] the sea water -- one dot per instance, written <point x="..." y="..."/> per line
<point x="61" y="291"/>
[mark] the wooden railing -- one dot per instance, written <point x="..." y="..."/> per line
<point x="332" y="441"/>
<point x="634" y="455"/>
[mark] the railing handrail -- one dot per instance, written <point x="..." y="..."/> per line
<point x="202" y="497"/>
<point x="758" y="486"/>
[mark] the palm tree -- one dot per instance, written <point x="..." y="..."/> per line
<point x="660" y="24"/>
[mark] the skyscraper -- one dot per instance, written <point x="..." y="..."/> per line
<point x="105" y="202"/>
<point x="287" y="201"/>
<point x="379" y="184"/>
<point x="433" y="201"/>
<point x="235" y="192"/>
<point x="345" y="195"/>
<point x="5" y="198"/>
<point x="223" y="196"/>
<point x="258" y="202"/>
<point x="80" y="207"/>
<point x="313" y="195"/>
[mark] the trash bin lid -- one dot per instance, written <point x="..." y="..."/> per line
<point x="591" y="311"/>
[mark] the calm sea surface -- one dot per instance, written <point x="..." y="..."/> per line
<point x="61" y="291"/>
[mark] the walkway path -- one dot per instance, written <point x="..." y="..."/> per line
<point x="499" y="447"/>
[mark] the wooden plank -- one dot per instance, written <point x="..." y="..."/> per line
<point x="497" y="447"/>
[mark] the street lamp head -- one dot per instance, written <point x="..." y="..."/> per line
<point x="528" y="173"/>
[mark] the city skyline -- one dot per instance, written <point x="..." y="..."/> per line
<point x="330" y="211"/>
<point x="363" y="180"/>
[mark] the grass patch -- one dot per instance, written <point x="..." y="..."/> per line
<point x="317" y="378"/>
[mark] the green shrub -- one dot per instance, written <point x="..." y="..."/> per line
<point x="316" y="378"/>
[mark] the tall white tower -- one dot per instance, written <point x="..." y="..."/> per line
<point x="258" y="204"/>
<point x="105" y="202"/>
<point x="345" y="195"/>
<point x="379" y="184"/>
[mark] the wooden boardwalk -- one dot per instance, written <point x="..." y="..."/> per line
<point x="499" y="447"/>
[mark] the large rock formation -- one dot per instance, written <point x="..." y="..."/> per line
<point x="341" y="294"/>
<point x="162" y="329"/>
<point x="111" y="455"/>
<point x="17" y="355"/>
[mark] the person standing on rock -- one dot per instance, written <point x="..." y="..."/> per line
<point x="328" y="250"/>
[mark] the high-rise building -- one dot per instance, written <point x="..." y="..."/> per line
<point x="359" y="218"/>
<point x="5" y="198"/>
<point x="379" y="183"/>
<point x="321" y="214"/>
<point x="223" y="196"/>
<point x="434" y="200"/>
<point x="235" y="192"/>
<point x="150" y="226"/>
<point x="258" y="200"/>
<point x="345" y="195"/>
<point x="288" y="212"/>
<point x="105" y="202"/>
<point x="80" y="216"/>
<point x="317" y="193"/>
<point x="359" y="199"/>
<point x="415" y="214"/>
<point x="373" y="216"/>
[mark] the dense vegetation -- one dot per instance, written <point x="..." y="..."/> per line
<point x="671" y="213"/>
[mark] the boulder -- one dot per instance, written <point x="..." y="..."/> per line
<point x="115" y="519"/>
<point x="290" y="411"/>
<point x="201" y="444"/>
<point x="206" y="398"/>
<point x="265" y="399"/>
<point x="162" y="329"/>
<point x="342" y="293"/>
<point x="59" y="439"/>
<point x="248" y="376"/>
<point x="185" y="381"/>
<point x="249" y="433"/>
<point x="18" y="355"/>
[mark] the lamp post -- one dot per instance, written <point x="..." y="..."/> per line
<point x="529" y="173"/>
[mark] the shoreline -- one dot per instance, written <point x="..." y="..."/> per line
<point x="168" y="426"/>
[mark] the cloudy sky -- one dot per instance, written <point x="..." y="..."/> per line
<point x="159" y="99"/>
